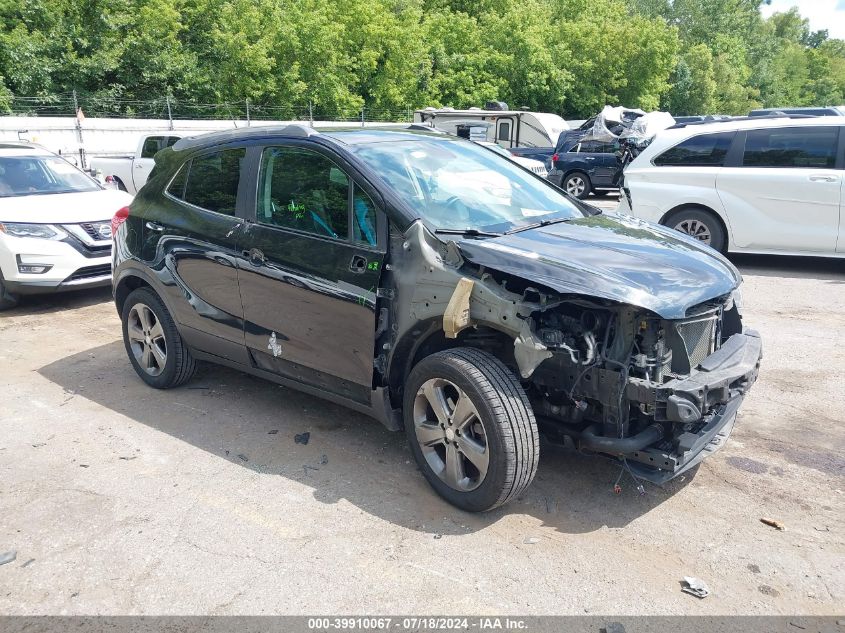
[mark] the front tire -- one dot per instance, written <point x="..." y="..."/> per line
<point x="577" y="184"/>
<point x="701" y="224"/>
<point x="154" y="345"/>
<point x="471" y="428"/>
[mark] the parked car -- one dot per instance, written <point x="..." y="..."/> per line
<point x="130" y="173"/>
<point x="825" y="111"/>
<point x="754" y="185"/>
<point x="55" y="224"/>
<point x="535" y="166"/>
<point x="586" y="166"/>
<point x="420" y="279"/>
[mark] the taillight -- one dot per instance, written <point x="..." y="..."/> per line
<point x="109" y="179"/>
<point x="118" y="219"/>
<point x="555" y="158"/>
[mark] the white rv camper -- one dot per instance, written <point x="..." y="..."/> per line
<point x="508" y="128"/>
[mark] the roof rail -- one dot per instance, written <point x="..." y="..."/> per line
<point x="679" y="126"/>
<point x="294" y="130"/>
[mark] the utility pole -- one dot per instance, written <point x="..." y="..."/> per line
<point x="362" y="116"/>
<point x="77" y="114"/>
<point x="247" y="111"/>
<point x="310" y="113"/>
<point x="169" y="113"/>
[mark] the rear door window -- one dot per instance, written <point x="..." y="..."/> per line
<point x="704" y="150"/>
<point x="808" y="147"/>
<point x="212" y="181"/>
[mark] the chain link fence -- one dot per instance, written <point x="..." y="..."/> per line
<point x="169" y="108"/>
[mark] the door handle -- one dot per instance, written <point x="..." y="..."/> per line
<point x="823" y="179"/>
<point x="154" y="226"/>
<point x="255" y="256"/>
<point x="358" y="264"/>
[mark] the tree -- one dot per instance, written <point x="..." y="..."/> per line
<point x="693" y="88"/>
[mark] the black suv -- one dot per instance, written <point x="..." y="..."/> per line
<point x="440" y="288"/>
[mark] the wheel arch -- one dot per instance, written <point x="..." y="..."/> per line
<point x="429" y="338"/>
<point x="707" y="209"/>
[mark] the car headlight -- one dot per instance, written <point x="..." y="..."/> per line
<point x="38" y="231"/>
<point x="736" y="299"/>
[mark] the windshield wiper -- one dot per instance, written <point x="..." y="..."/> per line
<point x="535" y="225"/>
<point x="467" y="232"/>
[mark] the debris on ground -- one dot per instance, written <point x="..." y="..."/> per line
<point x="8" y="557"/>
<point x="695" y="587"/>
<point x="438" y="536"/>
<point x="302" y="438"/>
<point x="273" y="432"/>
<point x="307" y="467"/>
<point x="128" y="458"/>
<point x="324" y="460"/>
<point x="243" y="458"/>
<point x="39" y="445"/>
<point x="530" y="540"/>
<point x="28" y="563"/>
<point x="773" y="523"/>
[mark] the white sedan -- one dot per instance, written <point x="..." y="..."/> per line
<point x="55" y="224"/>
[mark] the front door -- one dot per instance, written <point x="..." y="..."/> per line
<point x="785" y="192"/>
<point x="310" y="271"/>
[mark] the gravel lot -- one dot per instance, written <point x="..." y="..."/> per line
<point x="122" y="500"/>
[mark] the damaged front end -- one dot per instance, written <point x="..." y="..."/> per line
<point x="627" y="370"/>
<point x="663" y="394"/>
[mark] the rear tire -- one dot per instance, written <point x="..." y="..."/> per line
<point x="480" y="447"/>
<point x="8" y="300"/>
<point x="701" y="224"/>
<point x="577" y="184"/>
<point x="153" y="343"/>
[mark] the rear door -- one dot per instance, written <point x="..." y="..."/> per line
<point x="190" y="237"/>
<point x="601" y="160"/>
<point x="784" y="192"/>
<point x="310" y="270"/>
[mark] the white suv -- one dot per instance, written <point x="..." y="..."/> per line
<point x="55" y="224"/>
<point x="759" y="185"/>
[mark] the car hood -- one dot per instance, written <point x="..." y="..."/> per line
<point x="64" y="208"/>
<point x="612" y="257"/>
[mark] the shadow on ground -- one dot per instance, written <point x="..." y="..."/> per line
<point x="253" y="423"/>
<point x="822" y="268"/>
<point x="59" y="301"/>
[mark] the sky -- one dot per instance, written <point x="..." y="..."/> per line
<point x="823" y="14"/>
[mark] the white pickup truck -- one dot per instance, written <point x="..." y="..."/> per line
<point x="130" y="173"/>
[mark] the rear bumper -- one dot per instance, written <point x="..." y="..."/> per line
<point x="700" y="408"/>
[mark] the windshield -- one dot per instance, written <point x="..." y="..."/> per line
<point x="32" y="175"/>
<point x="458" y="185"/>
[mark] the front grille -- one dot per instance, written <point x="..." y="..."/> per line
<point x="699" y="337"/>
<point x="97" y="230"/>
<point x="89" y="272"/>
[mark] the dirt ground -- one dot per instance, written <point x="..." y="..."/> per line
<point x="123" y="500"/>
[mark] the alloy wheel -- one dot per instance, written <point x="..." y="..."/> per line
<point x="146" y="339"/>
<point x="696" y="229"/>
<point x="575" y="185"/>
<point x="451" y="434"/>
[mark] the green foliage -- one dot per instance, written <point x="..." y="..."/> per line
<point x="566" y="56"/>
